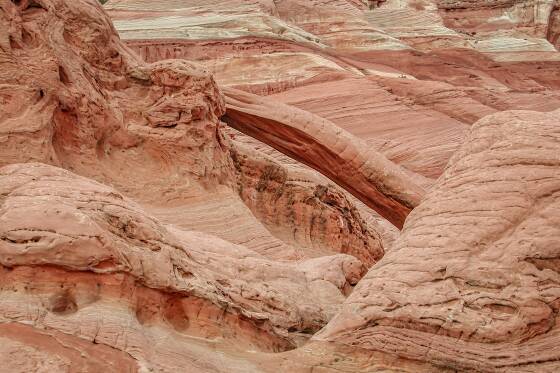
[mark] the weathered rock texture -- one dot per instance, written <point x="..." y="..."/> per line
<point x="472" y="283"/>
<point x="96" y="109"/>
<point x="140" y="233"/>
<point x="305" y="210"/>
<point x="368" y="175"/>
<point x="74" y="96"/>
<point x="55" y="223"/>
<point x="408" y="77"/>
<point x="151" y="282"/>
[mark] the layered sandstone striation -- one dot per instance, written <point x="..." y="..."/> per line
<point x="472" y="282"/>
<point x="211" y="213"/>
<point x="66" y="228"/>
<point x="140" y="231"/>
<point x="304" y="210"/>
<point x="98" y="110"/>
<point x="425" y="70"/>
<point x="368" y="175"/>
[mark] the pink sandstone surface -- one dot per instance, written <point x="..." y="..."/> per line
<point x="481" y="292"/>
<point x="279" y="185"/>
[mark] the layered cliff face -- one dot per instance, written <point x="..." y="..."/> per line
<point x="425" y="70"/>
<point x="506" y="30"/>
<point x="238" y="208"/>
<point x="211" y="213"/>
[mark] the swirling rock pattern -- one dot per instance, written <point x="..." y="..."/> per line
<point x="69" y="245"/>
<point x="368" y="175"/>
<point x="104" y="270"/>
<point x="472" y="282"/>
<point x="141" y="233"/>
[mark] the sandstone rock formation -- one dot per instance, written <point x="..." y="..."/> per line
<point x="97" y="265"/>
<point x="425" y="70"/>
<point x="368" y="175"/>
<point x="141" y="231"/>
<point x="96" y="109"/>
<point x="472" y="282"/>
<point x="305" y="210"/>
<point x="55" y="223"/>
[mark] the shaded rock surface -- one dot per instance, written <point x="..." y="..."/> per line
<point x="425" y="70"/>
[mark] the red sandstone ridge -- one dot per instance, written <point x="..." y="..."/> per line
<point x="472" y="282"/>
<point x="424" y="70"/>
<point x="368" y="175"/>
<point x="216" y="186"/>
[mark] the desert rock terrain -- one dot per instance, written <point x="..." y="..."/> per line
<point x="279" y="186"/>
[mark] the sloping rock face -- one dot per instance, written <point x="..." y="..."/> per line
<point x="70" y="245"/>
<point x="140" y="231"/>
<point x="424" y="70"/>
<point x="149" y="285"/>
<point x="472" y="282"/>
